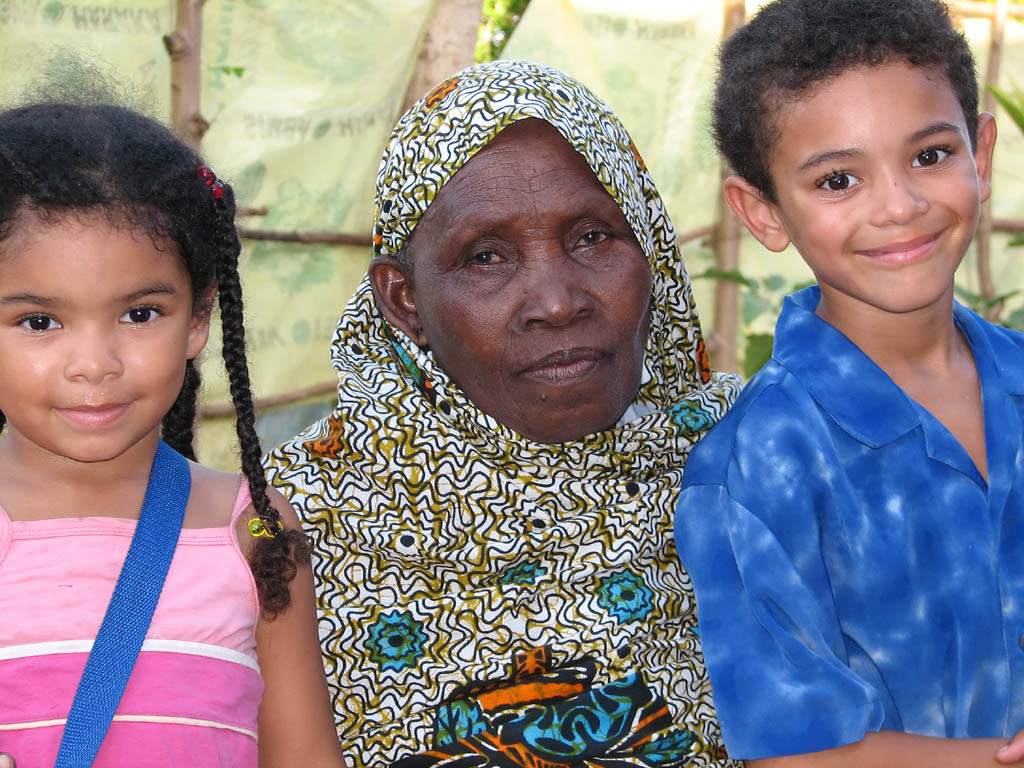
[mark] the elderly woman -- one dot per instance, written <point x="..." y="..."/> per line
<point x="521" y="378"/>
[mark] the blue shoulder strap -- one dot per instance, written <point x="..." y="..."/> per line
<point x="130" y="610"/>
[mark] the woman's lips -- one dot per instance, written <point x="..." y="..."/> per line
<point x="94" y="415"/>
<point x="564" y="366"/>
<point x="906" y="251"/>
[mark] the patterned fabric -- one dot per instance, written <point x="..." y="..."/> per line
<point x="844" y="534"/>
<point x="484" y="599"/>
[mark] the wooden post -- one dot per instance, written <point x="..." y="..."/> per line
<point x="183" y="45"/>
<point x="722" y="342"/>
<point x="983" y="238"/>
<point x="449" y="45"/>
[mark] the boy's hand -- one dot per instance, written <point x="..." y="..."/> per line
<point x="6" y="761"/>
<point x="1013" y="751"/>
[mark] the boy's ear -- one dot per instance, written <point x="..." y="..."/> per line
<point x="757" y="213"/>
<point x="199" y="329"/>
<point x="983" y="148"/>
<point x="392" y="286"/>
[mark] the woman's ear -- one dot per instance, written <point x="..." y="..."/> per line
<point x="758" y="214"/>
<point x="391" y="281"/>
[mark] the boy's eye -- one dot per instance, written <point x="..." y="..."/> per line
<point x="930" y="156"/>
<point x="839" y="181"/>
<point x="40" y="323"/>
<point x="138" y="315"/>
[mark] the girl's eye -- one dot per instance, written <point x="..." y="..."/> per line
<point x="40" y="323"/>
<point x="838" y="181"/>
<point x="930" y="156"/>
<point x="138" y="315"/>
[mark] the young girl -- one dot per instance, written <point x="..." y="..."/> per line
<point x="114" y="239"/>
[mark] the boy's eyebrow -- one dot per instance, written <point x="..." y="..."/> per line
<point x="933" y="129"/>
<point x="846" y="154"/>
<point x="824" y="157"/>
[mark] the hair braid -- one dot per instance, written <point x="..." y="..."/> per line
<point x="274" y="559"/>
<point x="179" y="423"/>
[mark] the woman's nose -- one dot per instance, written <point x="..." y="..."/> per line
<point x="898" y="201"/>
<point x="93" y="355"/>
<point x="553" y="291"/>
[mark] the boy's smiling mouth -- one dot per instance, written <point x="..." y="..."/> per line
<point x="905" y="251"/>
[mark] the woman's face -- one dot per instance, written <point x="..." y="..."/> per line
<point x="528" y="285"/>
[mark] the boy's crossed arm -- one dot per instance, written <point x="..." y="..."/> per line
<point x="887" y="749"/>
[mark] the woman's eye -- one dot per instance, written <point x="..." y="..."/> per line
<point x="485" y="258"/>
<point x="593" y="237"/>
<point x="138" y="315"/>
<point x="839" y="181"/>
<point x="40" y="323"/>
<point x="930" y="156"/>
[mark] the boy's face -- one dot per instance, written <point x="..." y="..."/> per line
<point x="877" y="188"/>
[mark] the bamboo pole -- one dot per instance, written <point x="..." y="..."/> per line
<point x="332" y="238"/>
<point x="448" y="45"/>
<point x="983" y="239"/>
<point x="218" y="410"/>
<point x="722" y="342"/>
<point x="183" y="46"/>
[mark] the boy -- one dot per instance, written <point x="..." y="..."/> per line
<point x="855" y="525"/>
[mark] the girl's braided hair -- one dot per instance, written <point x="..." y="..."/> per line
<point x="64" y="159"/>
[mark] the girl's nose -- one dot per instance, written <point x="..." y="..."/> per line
<point x="93" y="356"/>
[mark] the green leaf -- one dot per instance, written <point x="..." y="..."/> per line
<point x="755" y="305"/>
<point x="758" y="352"/>
<point x="1015" y="320"/>
<point x="969" y="298"/>
<point x="732" y="275"/>
<point x="1015" y="108"/>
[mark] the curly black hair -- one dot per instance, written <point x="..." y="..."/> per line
<point x="65" y="159"/>
<point x="790" y="46"/>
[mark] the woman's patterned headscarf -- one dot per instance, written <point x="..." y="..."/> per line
<point x="479" y="591"/>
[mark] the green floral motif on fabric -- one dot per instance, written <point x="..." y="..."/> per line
<point x="396" y="640"/>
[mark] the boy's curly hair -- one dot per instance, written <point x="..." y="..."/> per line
<point x="790" y="46"/>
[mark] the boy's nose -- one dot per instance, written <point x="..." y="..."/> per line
<point x="898" y="201"/>
<point x="92" y="357"/>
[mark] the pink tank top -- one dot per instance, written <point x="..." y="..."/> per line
<point x="194" y="694"/>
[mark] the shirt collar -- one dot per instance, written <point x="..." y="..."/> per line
<point x="858" y="395"/>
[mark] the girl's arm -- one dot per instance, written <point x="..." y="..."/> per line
<point x="296" y="724"/>
<point x="891" y="749"/>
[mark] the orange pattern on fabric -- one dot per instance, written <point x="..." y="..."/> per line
<point x="535" y="661"/>
<point x="523" y="693"/>
<point x="703" y="363"/>
<point x="440" y="91"/>
<point x="331" y="443"/>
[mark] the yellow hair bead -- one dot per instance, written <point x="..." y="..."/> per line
<point x="259" y="528"/>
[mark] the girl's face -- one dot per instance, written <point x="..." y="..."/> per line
<point x="96" y="323"/>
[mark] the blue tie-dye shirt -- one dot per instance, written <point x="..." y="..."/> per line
<point x="854" y="571"/>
